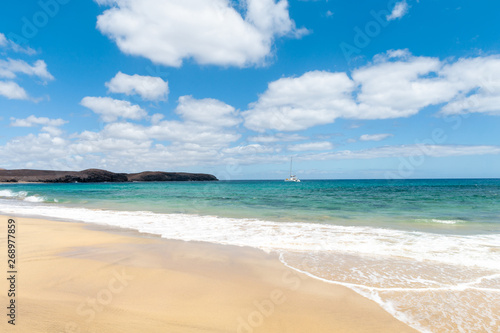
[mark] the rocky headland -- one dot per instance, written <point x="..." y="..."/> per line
<point x="97" y="176"/>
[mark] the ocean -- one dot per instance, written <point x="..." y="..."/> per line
<point x="427" y="251"/>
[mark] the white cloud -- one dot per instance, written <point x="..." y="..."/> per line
<point x="9" y="68"/>
<point x="112" y="109"/>
<point x="208" y="31"/>
<point x="50" y="126"/>
<point x="292" y="104"/>
<point x="93" y="143"/>
<point x="125" y="131"/>
<point x="148" y="87"/>
<point x="478" y="81"/>
<point x="33" y="120"/>
<point x="131" y="147"/>
<point x="172" y="143"/>
<point x="54" y="131"/>
<point x="396" y="85"/>
<point x="188" y="132"/>
<point x="278" y="137"/>
<point x="42" y="150"/>
<point x="310" y="146"/>
<point x="401" y="88"/>
<point x="156" y="118"/>
<point x="476" y="103"/>
<point x="6" y="43"/>
<point x="401" y="53"/>
<point x="207" y="111"/>
<point x="400" y="10"/>
<point x="407" y="151"/>
<point x="374" y="137"/>
<point x="250" y="150"/>
<point x="206" y="123"/>
<point x="203" y="135"/>
<point x="12" y="90"/>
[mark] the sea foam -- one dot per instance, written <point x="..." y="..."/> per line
<point x="22" y="195"/>
<point x="481" y="251"/>
<point x="400" y="270"/>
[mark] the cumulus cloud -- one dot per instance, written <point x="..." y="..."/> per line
<point x="250" y="150"/>
<point x="278" y="137"/>
<point x="310" y="146"/>
<point x="42" y="150"/>
<point x="148" y="87"/>
<point x="33" y="120"/>
<point x="374" y="137"/>
<point x="396" y="85"/>
<point x="400" y="10"/>
<point x="12" y="90"/>
<point x="292" y="104"/>
<point x="127" y="147"/>
<point x="216" y="32"/>
<point x="407" y="151"/>
<point x="401" y="88"/>
<point x="156" y="118"/>
<point x="10" y="45"/>
<point x="50" y="126"/>
<point x="202" y="135"/>
<point x="167" y="143"/>
<point x="111" y="109"/>
<point x="207" y="111"/>
<point x="195" y="139"/>
<point x="478" y="81"/>
<point x="205" y="124"/>
<point x="10" y="67"/>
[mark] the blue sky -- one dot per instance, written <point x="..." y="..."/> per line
<point x="351" y="89"/>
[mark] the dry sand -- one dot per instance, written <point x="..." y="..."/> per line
<point x="74" y="277"/>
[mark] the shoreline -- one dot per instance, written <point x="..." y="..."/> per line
<point x="79" y="277"/>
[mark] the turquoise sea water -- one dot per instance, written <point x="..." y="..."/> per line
<point x="428" y="251"/>
<point x="462" y="206"/>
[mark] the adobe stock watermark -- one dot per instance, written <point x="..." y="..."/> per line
<point x="364" y="35"/>
<point x="408" y="165"/>
<point x="92" y="306"/>
<point x="265" y="308"/>
<point x="32" y="25"/>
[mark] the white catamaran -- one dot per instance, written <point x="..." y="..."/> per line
<point x="292" y="177"/>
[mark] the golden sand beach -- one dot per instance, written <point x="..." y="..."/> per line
<point x="75" y="277"/>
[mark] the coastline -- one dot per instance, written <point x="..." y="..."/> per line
<point x="77" y="277"/>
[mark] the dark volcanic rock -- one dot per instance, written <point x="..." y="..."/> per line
<point x="95" y="176"/>
<point x="158" y="176"/>
<point x="48" y="176"/>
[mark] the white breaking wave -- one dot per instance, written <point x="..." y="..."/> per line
<point x="11" y="194"/>
<point x="482" y="251"/>
<point x="446" y="221"/>
<point x="429" y="281"/>
<point x="22" y="195"/>
<point x="440" y="221"/>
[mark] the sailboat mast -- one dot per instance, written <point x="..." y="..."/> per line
<point x="291" y="159"/>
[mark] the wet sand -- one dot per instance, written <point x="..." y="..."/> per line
<point x="75" y="277"/>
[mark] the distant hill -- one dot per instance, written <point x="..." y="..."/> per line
<point x="97" y="176"/>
